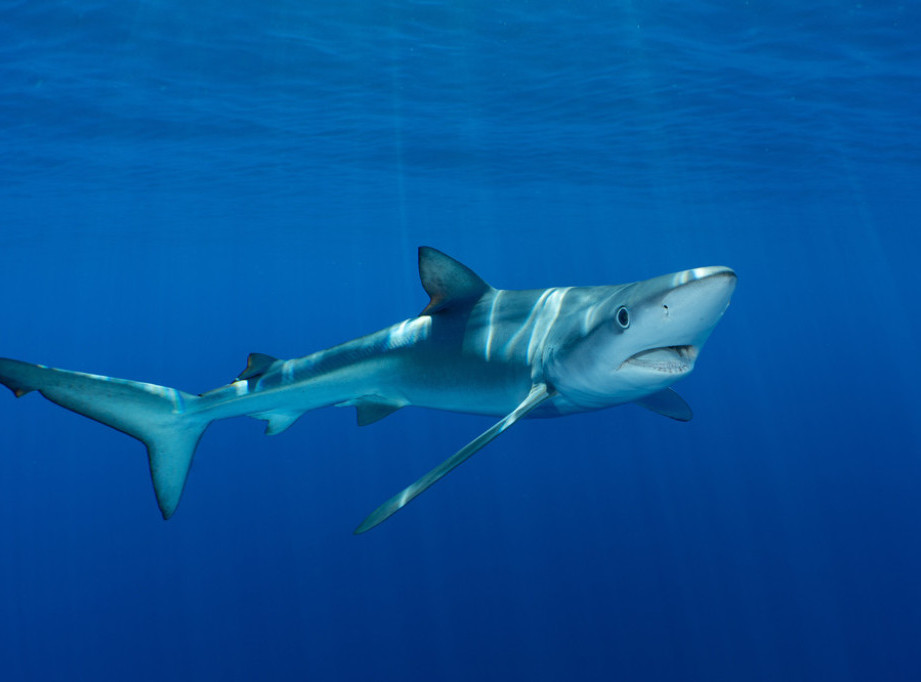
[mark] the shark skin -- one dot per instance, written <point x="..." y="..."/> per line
<point x="473" y="349"/>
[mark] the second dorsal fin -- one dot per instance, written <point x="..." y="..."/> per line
<point x="447" y="281"/>
<point x="256" y="365"/>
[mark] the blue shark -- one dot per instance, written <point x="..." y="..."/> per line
<point x="473" y="349"/>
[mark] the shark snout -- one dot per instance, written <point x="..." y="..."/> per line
<point x="720" y="283"/>
<point x="711" y="276"/>
<point x="697" y="301"/>
<point x="674" y="324"/>
<point x="705" y="292"/>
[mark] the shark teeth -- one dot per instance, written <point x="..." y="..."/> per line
<point x="667" y="359"/>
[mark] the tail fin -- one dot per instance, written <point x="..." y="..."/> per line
<point x="162" y="418"/>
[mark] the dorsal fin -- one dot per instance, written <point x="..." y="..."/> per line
<point x="256" y="365"/>
<point x="447" y="281"/>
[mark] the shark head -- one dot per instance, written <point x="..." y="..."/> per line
<point x="639" y="338"/>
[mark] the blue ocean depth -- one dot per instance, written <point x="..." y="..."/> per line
<point x="183" y="183"/>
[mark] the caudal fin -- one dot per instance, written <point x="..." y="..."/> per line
<point x="162" y="418"/>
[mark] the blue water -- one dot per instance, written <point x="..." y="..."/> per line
<point x="182" y="183"/>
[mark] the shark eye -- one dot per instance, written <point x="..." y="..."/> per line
<point x="623" y="317"/>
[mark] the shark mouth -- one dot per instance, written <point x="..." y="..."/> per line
<point x="667" y="360"/>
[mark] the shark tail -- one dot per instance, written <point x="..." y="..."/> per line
<point x="162" y="418"/>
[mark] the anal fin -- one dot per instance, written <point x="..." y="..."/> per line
<point x="277" y="421"/>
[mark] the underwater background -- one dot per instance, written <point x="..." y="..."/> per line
<point x="182" y="183"/>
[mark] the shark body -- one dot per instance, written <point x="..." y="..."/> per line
<point x="474" y="349"/>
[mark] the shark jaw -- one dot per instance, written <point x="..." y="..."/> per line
<point x="675" y="360"/>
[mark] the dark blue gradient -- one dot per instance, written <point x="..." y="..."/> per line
<point x="184" y="183"/>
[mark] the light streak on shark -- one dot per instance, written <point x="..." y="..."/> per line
<point x="473" y="349"/>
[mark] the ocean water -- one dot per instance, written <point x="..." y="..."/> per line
<point x="184" y="183"/>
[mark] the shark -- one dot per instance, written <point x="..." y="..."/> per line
<point x="511" y="354"/>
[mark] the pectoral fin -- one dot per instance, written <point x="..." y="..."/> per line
<point x="539" y="393"/>
<point x="668" y="404"/>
